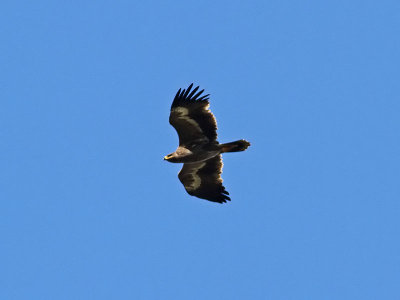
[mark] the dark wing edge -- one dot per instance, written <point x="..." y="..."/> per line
<point x="203" y="180"/>
<point x="191" y="117"/>
<point x="183" y="98"/>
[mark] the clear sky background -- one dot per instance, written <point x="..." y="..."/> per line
<point x="89" y="209"/>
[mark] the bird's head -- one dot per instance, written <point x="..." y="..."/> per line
<point x="179" y="155"/>
<point x="170" y="157"/>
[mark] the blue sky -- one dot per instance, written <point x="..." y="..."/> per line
<point x="89" y="209"/>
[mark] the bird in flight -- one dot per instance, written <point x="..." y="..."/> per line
<point x="198" y="149"/>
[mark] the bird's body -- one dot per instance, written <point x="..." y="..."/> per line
<point x="198" y="149"/>
<point x="194" y="154"/>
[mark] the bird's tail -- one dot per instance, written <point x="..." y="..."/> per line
<point x="235" y="146"/>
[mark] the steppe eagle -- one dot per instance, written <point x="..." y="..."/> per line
<point x="198" y="149"/>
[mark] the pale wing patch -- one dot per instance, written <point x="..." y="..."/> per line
<point x="196" y="180"/>
<point x="184" y="115"/>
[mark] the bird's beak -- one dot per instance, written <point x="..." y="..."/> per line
<point x="165" y="158"/>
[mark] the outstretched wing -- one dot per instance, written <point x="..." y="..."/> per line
<point x="203" y="180"/>
<point x="191" y="117"/>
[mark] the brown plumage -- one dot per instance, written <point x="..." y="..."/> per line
<point x="198" y="147"/>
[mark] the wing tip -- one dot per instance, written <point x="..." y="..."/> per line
<point x="221" y="198"/>
<point x="185" y="96"/>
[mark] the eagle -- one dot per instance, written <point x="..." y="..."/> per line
<point x="198" y="149"/>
